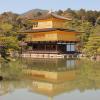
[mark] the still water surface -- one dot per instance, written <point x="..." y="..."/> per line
<point x="51" y="79"/>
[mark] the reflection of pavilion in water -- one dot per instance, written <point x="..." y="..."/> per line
<point x="51" y="70"/>
<point x="51" y="88"/>
<point x="51" y="64"/>
<point x="52" y="76"/>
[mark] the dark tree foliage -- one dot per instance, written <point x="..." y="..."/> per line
<point x="10" y="25"/>
<point x="39" y="14"/>
<point x="60" y="12"/>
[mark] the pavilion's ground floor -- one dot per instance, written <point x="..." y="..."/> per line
<point x="50" y="49"/>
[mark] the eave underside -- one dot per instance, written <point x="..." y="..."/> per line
<point x="47" y="30"/>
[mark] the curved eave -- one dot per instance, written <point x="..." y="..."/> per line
<point x="48" y="30"/>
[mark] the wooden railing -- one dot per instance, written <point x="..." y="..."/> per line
<point x="41" y="52"/>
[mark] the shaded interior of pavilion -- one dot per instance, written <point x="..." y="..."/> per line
<point x="51" y="47"/>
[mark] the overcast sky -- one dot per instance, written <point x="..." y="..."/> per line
<point x="21" y="6"/>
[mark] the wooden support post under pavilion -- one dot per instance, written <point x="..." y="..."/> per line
<point x="45" y="47"/>
<point x="56" y="47"/>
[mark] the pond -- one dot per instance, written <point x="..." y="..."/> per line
<point x="50" y="79"/>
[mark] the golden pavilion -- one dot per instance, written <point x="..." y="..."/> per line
<point x="48" y="38"/>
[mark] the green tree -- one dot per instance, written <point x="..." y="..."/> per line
<point x="92" y="47"/>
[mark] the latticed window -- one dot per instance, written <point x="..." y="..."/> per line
<point x="70" y="47"/>
<point x="35" y="24"/>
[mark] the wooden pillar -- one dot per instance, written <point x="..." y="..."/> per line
<point x="32" y="47"/>
<point x="45" y="47"/>
<point x="38" y="47"/>
<point x="56" y="47"/>
<point x="53" y="47"/>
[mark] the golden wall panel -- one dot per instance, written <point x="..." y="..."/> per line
<point x="52" y="36"/>
<point x="45" y="24"/>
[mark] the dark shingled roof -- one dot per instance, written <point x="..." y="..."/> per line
<point x="46" y="30"/>
<point x="50" y="15"/>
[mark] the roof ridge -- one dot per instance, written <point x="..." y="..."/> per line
<point x="51" y="14"/>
